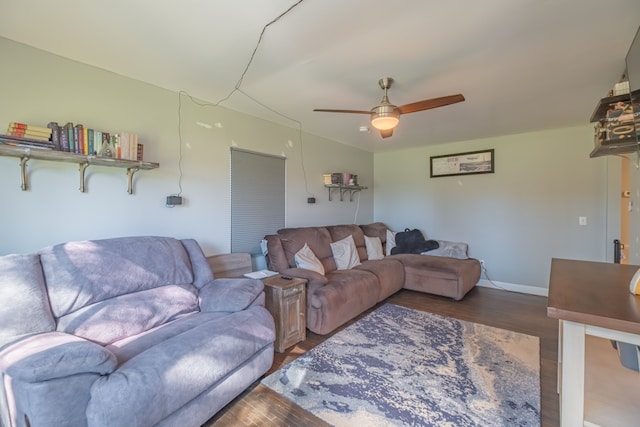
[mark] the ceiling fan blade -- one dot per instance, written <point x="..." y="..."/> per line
<point x="386" y="133"/>
<point x="428" y="104"/>
<point x="325" y="110"/>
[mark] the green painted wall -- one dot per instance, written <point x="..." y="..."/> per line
<point x="38" y="87"/>
<point x="515" y="219"/>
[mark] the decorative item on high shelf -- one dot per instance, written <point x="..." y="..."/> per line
<point x="338" y="178"/>
<point x="617" y="124"/>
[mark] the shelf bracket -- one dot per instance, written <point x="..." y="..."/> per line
<point x="130" y="172"/>
<point x="82" y="168"/>
<point x="23" y="173"/>
<point x="351" y="193"/>
<point x="331" y="191"/>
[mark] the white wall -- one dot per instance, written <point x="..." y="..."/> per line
<point x="38" y="87"/>
<point x="516" y="219"/>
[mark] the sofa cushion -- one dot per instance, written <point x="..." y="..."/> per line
<point x="115" y="318"/>
<point x="200" y="266"/>
<point x="130" y="347"/>
<point x="43" y="357"/>
<point x="345" y="254"/>
<point x="339" y="232"/>
<point x="162" y="379"/>
<point x="82" y="273"/>
<point x="391" y="242"/>
<point x="230" y="295"/>
<point x="24" y="306"/>
<point x="307" y="260"/>
<point x="378" y="229"/>
<point x="374" y="248"/>
<point x="347" y="294"/>
<point x="276" y="257"/>
<point x="444" y="276"/>
<point x="390" y="274"/>
<point x="317" y="238"/>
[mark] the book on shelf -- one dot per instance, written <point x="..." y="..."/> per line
<point x="25" y="142"/>
<point x="78" y="139"/>
<point x="26" y="126"/>
<point x="85" y="141"/>
<point x="91" y="142"/>
<point x="64" y="139"/>
<point x="24" y="130"/>
<point x="27" y="134"/>
<point x="68" y="129"/>
<point x="55" y="135"/>
<point x="97" y="141"/>
<point x="127" y="146"/>
<point x="78" y="134"/>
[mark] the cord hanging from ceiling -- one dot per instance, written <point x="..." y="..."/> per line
<point x="253" y="54"/>
<point x="237" y="88"/>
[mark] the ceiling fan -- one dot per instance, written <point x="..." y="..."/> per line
<point x="385" y="116"/>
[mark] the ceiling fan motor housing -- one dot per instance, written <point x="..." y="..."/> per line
<point x="385" y="116"/>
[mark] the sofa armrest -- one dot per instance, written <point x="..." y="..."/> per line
<point x="230" y="294"/>
<point x="50" y="355"/>
<point x="310" y="276"/>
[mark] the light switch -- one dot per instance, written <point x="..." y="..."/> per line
<point x="582" y="220"/>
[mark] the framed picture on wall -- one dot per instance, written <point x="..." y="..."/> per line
<point x="472" y="162"/>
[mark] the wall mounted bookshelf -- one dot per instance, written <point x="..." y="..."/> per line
<point x="351" y="189"/>
<point x="25" y="154"/>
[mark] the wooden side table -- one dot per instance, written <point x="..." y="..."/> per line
<point x="286" y="301"/>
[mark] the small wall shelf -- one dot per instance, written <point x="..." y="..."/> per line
<point x="352" y="189"/>
<point x="27" y="153"/>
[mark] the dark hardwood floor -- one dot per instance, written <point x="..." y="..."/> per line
<point x="259" y="406"/>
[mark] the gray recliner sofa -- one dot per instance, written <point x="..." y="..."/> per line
<point x="130" y="331"/>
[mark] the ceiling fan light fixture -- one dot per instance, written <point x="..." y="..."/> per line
<point x="385" y="118"/>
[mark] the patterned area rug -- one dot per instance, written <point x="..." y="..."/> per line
<point x="403" y="367"/>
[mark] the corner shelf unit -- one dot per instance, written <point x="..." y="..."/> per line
<point x="352" y="189"/>
<point x="27" y="153"/>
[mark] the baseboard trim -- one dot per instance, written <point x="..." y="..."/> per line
<point x="513" y="287"/>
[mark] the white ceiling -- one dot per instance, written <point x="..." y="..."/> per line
<point x="523" y="65"/>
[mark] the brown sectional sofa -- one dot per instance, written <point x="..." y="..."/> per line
<point x="340" y="295"/>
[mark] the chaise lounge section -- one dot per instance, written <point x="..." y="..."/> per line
<point x="339" y="295"/>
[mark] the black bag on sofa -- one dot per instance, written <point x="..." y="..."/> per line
<point x="412" y="242"/>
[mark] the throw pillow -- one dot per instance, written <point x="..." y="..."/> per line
<point x="307" y="260"/>
<point x="374" y="247"/>
<point x="345" y="253"/>
<point x="391" y="241"/>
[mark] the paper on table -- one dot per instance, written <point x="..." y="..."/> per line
<point x="260" y="274"/>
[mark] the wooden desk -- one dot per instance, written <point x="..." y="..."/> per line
<point x="588" y="298"/>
